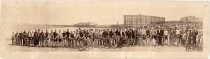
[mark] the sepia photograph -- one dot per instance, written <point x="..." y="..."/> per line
<point x="104" y="29"/>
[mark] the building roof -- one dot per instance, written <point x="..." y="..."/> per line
<point x="143" y="15"/>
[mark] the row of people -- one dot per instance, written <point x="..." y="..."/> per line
<point x="109" y="37"/>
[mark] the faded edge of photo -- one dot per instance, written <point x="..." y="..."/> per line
<point x="6" y="26"/>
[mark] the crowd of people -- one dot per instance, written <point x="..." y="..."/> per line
<point x="189" y="37"/>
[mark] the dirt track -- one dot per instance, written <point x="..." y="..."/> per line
<point x="145" y="52"/>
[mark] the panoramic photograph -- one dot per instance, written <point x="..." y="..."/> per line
<point x="103" y="29"/>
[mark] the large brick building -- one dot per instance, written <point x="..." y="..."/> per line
<point x="141" y="20"/>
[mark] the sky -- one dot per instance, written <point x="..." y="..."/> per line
<point x="103" y="12"/>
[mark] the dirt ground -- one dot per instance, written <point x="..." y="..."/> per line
<point x="135" y="52"/>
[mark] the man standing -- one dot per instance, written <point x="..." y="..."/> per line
<point x="194" y="36"/>
<point x="134" y="33"/>
<point x="29" y="37"/>
<point x="46" y="38"/>
<point x="51" y="39"/>
<point x="118" y="34"/>
<point x="178" y="36"/>
<point x="105" y="35"/>
<point x="129" y="35"/>
<point x="166" y="37"/>
<point x="59" y="38"/>
<point x="32" y="39"/>
<point x="160" y="32"/>
<point x="16" y="38"/>
<point x="36" y="37"/>
<point x="189" y="40"/>
<point x="55" y="39"/>
<point x="148" y="35"/>
<point x="67" y="36"/>
<point x="143" y="34"/>
<point x="41" y="36"/>
<point x="72" y="40"/>
<point x="153" y="34"/>
<point x="64" y="38"/>
<point x="20" y="38"/>
<point x="25" y="38"/>
<point x="148" y="32"/>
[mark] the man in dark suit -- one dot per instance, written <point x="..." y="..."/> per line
<point x="41" y="36"/>
<point x="67" y="38"/>
<point x="117" y="37"/>
<point x="25" y="38"/>
<point x="160" y="35"/>
<point x="55" y="34"/>
<point x="16" y="38"/>
<point x="189" y="40"/>
<point x="36" y="37"/>
<point x="194" y="36"/>
<point x="20" y="38"/>
<point x="105" y="34"/>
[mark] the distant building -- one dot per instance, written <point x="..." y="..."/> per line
<point x="172" y="22"/>
<point x="117" y="26"/>
<point x="191" y="19"/>
<point x="103" y="26"/>
<point x="85" y="24"/>
<point x="141" y="20"/>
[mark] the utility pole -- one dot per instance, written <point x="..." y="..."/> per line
<point x="117" y="20"/>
